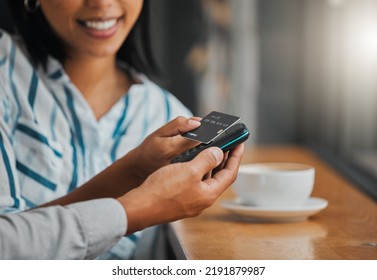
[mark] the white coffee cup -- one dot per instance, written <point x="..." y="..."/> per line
<point x="274" y="185"/>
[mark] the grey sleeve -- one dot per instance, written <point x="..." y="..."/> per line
<point x="79" y="231"/>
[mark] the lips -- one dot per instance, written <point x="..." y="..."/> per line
<point x="100" y="28"/>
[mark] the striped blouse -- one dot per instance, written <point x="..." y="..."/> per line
<point x="50" y="140"/>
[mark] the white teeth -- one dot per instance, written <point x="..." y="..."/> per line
<point x="101" y="25"/>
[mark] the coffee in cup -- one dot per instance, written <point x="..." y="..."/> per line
<point x="274" y="185"/>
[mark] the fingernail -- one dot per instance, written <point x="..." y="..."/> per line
<point x="218" y="154"/>
<point x="193" y="123"/>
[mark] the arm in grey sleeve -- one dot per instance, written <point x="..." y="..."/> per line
<point x="81" y="230"/>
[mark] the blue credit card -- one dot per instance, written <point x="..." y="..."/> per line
<point x="212" y="126"/>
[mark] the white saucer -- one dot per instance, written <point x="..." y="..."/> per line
<point x="270" y="214"/>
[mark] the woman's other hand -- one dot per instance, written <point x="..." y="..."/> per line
<point x="180" y="190"/>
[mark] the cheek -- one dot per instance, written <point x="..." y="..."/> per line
<point x="62" y="28"/>
<point x="133" y="9"/>
<point x="59" y="14"/>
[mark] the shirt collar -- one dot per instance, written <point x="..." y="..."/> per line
<point x="56" y="72"/>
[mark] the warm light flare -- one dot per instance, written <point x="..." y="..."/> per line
<point x="363" y="40"/>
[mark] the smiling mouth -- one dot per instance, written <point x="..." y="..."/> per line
<point x="99" y="24"/>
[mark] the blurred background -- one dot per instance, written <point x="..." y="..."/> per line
<point x="296" y="71"/>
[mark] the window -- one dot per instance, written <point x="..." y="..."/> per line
<point x="297" y="72"/>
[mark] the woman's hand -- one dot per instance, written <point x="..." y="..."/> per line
<point x="131" y="171"/>
<point x="178" y="190"/>
<point x="160" y="147"/>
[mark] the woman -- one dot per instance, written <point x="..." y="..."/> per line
<point x="75" y="98"/>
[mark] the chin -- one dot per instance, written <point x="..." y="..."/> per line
<point x="103" y="53"/>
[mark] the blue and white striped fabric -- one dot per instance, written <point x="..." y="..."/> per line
<point x="50" y="140"/>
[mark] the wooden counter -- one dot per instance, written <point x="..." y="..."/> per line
<point x="346" y="229"/>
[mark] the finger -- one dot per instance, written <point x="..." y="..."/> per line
<point x="178" y="126"/>
<point x="237" y="153"/>
<point x="205" y="161"/>
<point x="196" y="118"/>
<point x="225" y="177"/>
<point x="182" y="144"/>
<point x="222" y="164"/>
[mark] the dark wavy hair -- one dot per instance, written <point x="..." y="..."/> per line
<point x="41" y="41"/>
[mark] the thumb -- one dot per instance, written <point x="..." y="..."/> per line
<point x="178" y="126"/>
<point x="207" y="160"/>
